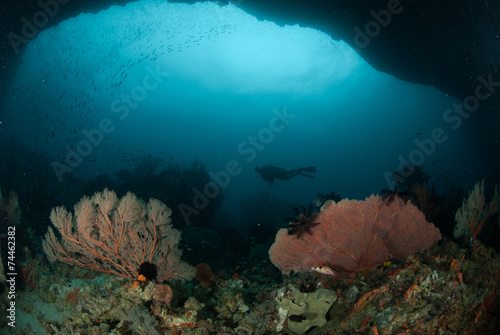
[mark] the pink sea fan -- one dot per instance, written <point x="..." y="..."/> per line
<point x="354" y="235"/>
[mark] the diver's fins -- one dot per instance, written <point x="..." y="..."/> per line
<point x="308" y="169"/>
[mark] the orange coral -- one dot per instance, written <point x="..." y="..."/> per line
<point x="370" y="295"/>
<point x="163" y="293"/>
<point x="204" y="275"/>
<point x="423" y="198"/>
<point x="475" y="212"/>
<point x="72" y="297"/>
<point x="411" y="292"/>
<point x="454" y="266"/>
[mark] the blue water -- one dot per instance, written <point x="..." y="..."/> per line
<point x="187" y="82"/>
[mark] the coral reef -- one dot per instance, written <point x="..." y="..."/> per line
<point x="118" y="236"/>
<point x="303" y="310"/>
<point x="475" y="212"/>
<point x="443" y="290"/>
<point x="424" y="289"/>
<point x="355" y="235"/>
<point x="204" y="275"/>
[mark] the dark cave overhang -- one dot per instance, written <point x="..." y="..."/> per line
<point x="446" y="44"/>
<point x="451" y="45"/>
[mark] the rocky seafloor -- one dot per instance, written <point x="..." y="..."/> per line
<point x="444" y="290"/>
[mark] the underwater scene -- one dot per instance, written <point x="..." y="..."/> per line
<point x="249" y="167"/>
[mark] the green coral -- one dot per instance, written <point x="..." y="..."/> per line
<point x="305" y="310"/>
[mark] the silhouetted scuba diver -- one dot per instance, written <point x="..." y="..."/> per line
<point x="269" y="173"/>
